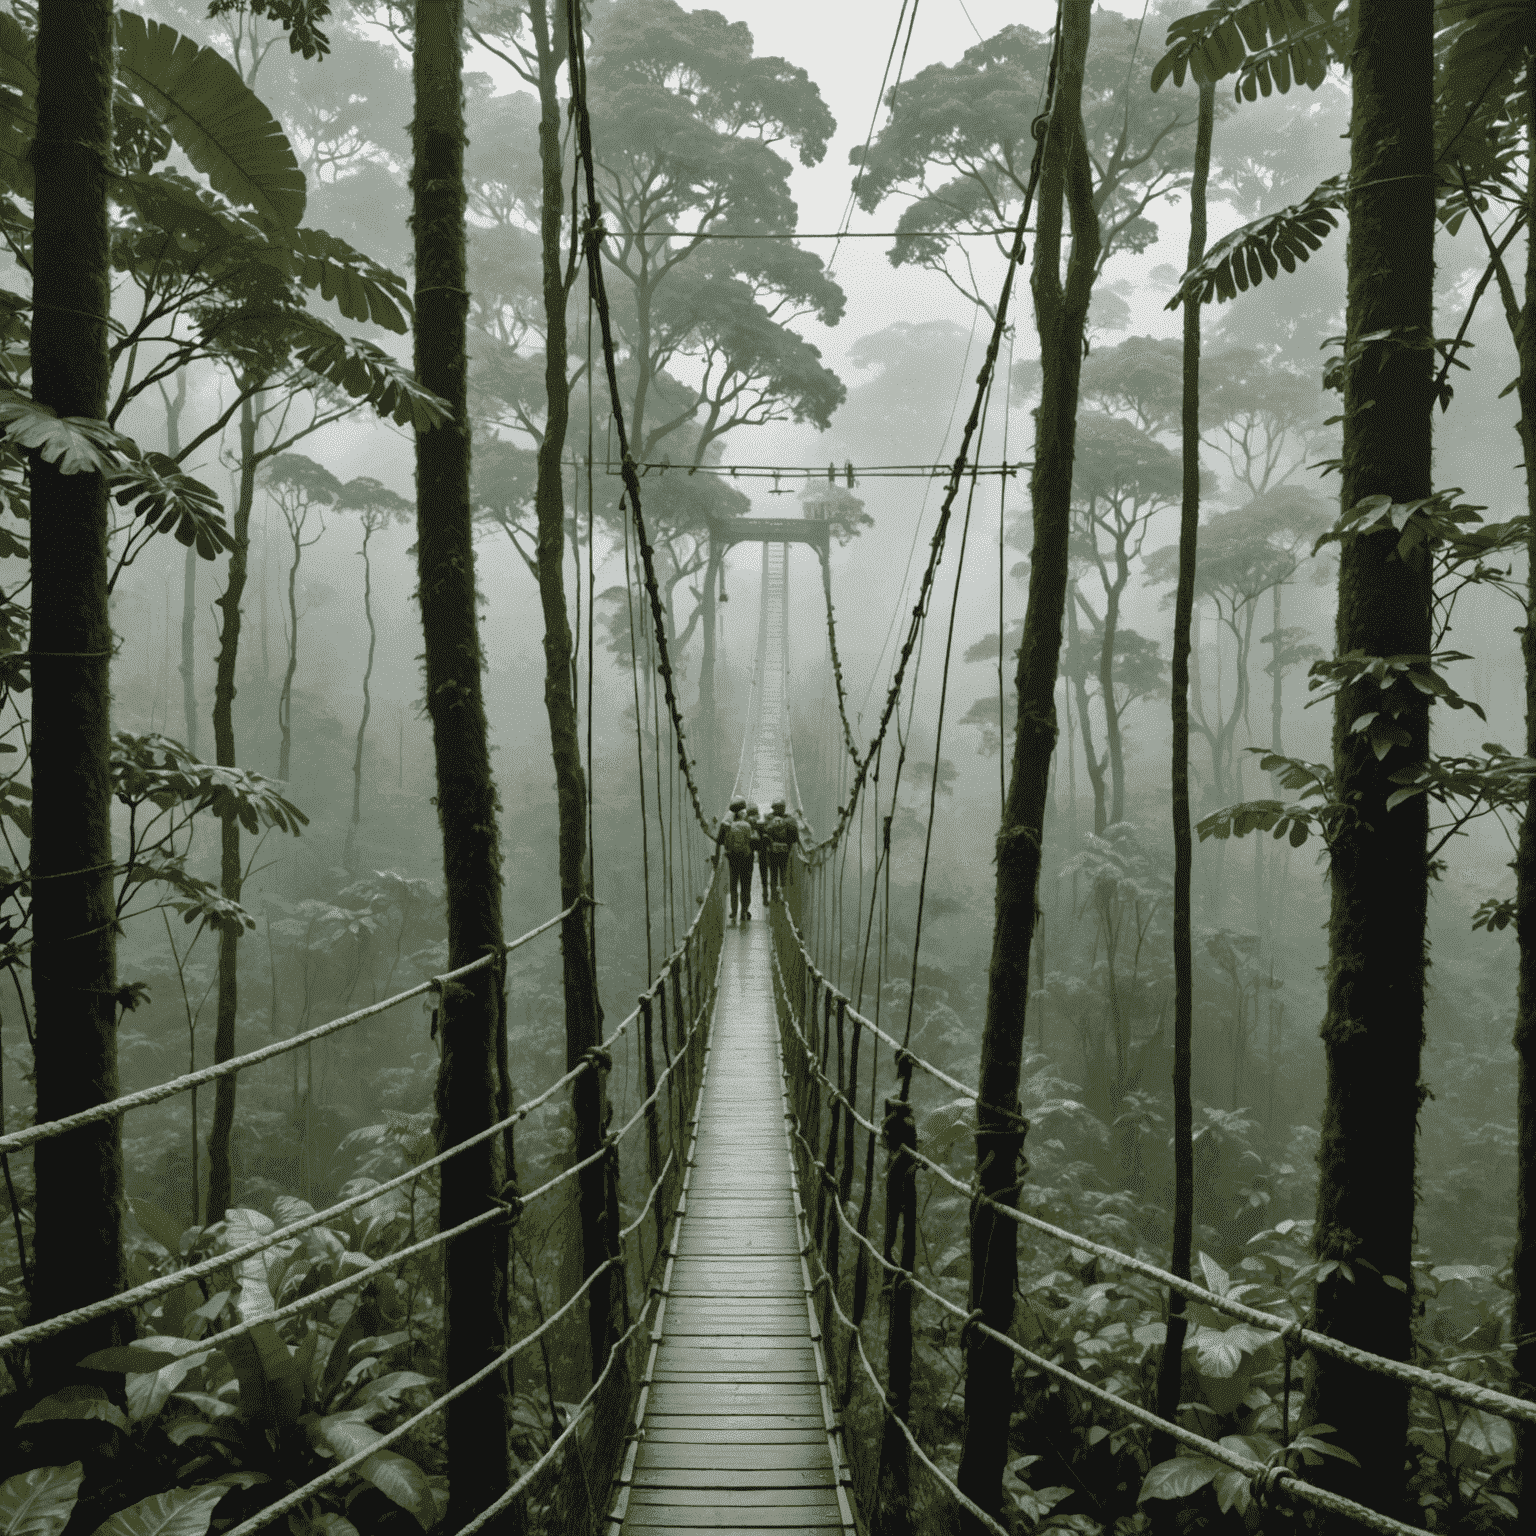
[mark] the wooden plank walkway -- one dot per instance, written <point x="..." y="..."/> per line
<point x="734" y="1426"/>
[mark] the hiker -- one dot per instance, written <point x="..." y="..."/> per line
<point x="737" y="839"/>
<point x="760" y="843"/>
<point x="782" y="834"/>
<point x="737" y="804"/>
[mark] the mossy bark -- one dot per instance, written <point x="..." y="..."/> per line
<point x="1170" y="1370"/>
<point x="231" y="873"/>
<point x="1373" y="1030"/>
<point x="471" y="1086"/>
<point x="583" y="1012"/>
<point x="1523" y="1323"/>
<point x="79" y="1177"/>
<point x="1061" y="309"/>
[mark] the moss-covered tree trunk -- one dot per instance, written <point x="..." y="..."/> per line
<point x="1171" y="1367"/>
<point x="231" y="873"/>
<point x="1374" y="1027"/>
<point x="583" y="1014"/>
<point x="1523" y="1323"/>
<point x="471" y="1085"/>
<point x="1061" y="309"/>
<point x="79" y="1177"/>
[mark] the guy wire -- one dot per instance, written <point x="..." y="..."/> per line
<point x="938" y="739"/>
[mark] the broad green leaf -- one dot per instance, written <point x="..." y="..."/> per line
<point x="181" y="1512"/>
<point x="1487" y="1433"/>
<point x="1216" y="1278"/>
<point x="395" y="1476"/>
<point x="39" y="1502"/>
<point x="76" y="1403"/>
<point x="1178" y="1478"/>
<point x="1233" y="1490"/>
<point x="358" y="286"/>
<point x="18" y="105"/>
<point x="1259" y="249"/>
<point x="176" y="504"/>
<point x="384" y="1391"/>
<point x="77" y="444"/>
<point x="130" y="1360"/>
<point x="161" y="1226"/>
<point x="243" y="1226"/>
<point x="215" y="117"/>
<point x="1447" y="1272"/>
<point x="271" y="1392"/>
<point x="370" y="374"/>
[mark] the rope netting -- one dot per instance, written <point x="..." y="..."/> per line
<point x="855" y="1123"/>
<point x="651" y="1065"/>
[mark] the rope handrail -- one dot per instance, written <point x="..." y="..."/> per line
<point x="15" y="1141"/>
<point x="1301" y="1338"/>
<point x="149" y="1290"/>
<point x="291" y="1501"/>
<point x="960" y="1498"/>
<point x="1265" y="1477"/>
<point x="506" y="1499"/>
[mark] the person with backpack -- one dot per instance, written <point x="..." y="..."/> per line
<point x="739" y="843"/>
<point x="737" y="804"/>
<point x="781" y="834"/>
<point x="760" y="844"/>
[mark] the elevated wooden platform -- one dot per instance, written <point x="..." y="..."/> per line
<point x="734" y="1426"/>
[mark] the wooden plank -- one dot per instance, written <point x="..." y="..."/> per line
<point x="726" y="1435"/>
<point x="727" y="1517"/>
<point x="744" y="1421"/>
<point x="736" y="1494"/>
<point x="734" y="1435"/>
<point x="771" y="1463"/>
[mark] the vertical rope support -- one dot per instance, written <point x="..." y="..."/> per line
<point x="652" y="1128"/>
<point x="829" y="1237"/>
<point x="893" y="1507"/>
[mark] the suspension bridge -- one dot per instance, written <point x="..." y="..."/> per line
<point x="758" y="1373"/>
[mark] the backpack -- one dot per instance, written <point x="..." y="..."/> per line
<point x="780" y="833"/>
<point x="738" y="839"/>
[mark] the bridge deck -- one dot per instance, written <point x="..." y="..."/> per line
<point x="735" y="1428"/>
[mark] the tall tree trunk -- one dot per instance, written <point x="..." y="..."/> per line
<point x="706" y="728"/>
<point x="1277" y="684"/>
<point x="1061" y="309"/>
<point x="1095" y="764"/>
<point x="220" y="1168"/>
<point x="79" y="1177"/>
<point x="362" y="724"/>
<point x="174" y="405"/>
<point x="471" y="1083"/>
<point x="1170" y="1370"/>
<point x="583" y="1012"/>
<point x="1523" y="1324"/>
<point x="285" y="693"/>
<point x="1374" y="1027"/>
<point x="1111" y="713"/>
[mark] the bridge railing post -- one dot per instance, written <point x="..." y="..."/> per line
<point x="652" y="1126"/>
<point x="899" y="1132"/>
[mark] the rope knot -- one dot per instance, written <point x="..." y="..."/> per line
<point x="598" y="1057"/>
<point x="905" y="1062"/>
<point x="968" y="1328"/>
<point x="1269" y="1477"/>
<point x="511" y="1203"/>
<point x="1040" y="126"/>
<point x="898" y="1130"/>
